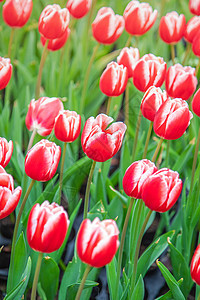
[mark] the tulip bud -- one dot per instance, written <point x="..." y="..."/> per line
<point x="97" y="242"/>
<point x="67" y="126"/>
<point x="79" y="8"/>
<point x="161" y="190"/>
<point x="135" y="176"/>
<point x="192" y="29"/>
<point x="194" y="6"/>
<point x="42" y="160"/>
<point x="180" y="81"/>
<point x="53" y="21"/>
<point x="100" y="142"/>
<point x="16" y="13"/>
<point x="139" y="17"/>
<point x="47" y="227"/>
<point x="196" y="103"/>
<point x="107" y="27"/>
<point x="56" y="44"/>
<point x="196" y="44"/>
<point x="114" y="79"/>
<point x="9" y="198"/>
<point x="195" y="266"/>
<point x="5" y="72"/>
<point x="42" y="113"/>
<point x="128" y="58"/>
<point x="6" y="150"/>
<point x="172" y="119"/>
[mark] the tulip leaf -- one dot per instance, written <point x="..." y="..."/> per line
<point x="181" y="161"/>
<point x="122" y="198"/>
<point x="138" y="292"/>
<point x="168" y="295"/>
<point x="111" y="270"/>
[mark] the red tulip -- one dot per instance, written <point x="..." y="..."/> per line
<point x="107" y="27"/>
<point x="135" y="176"/>
<point x="192" y="28"/>
<point x="149" y="70"/>
<point x="161" y="190"/>
<point x="195" y="266"/>
<point x="196" y="103"/>
<point x="56" y="44"/>
<point x="114" y="79"/>
<point x="67" y="126"/>
<point x="5" y="72"/>
<point x="139" y="17"/>
<point x="172" y="27"/>
<point x="97" y="242"/>
<point x="100" y="142"/>
<point x="151" y="102"/>
<point x="196" y="44"/>
<point x="42" y="160"/>
<point x="180" y="81"/>
<point x="9" y="197"/>
<point x="47" y="227"/>
<point x="194" y="6"/>
<point x="79" y="8"/>
<point x="6" y="150"/>
<point x="172" y="119"/>
<point x="128" y="58"/>
<point x="42" y="113"/>
<point x="16" y="13"/>
<point x="53" y="21"/>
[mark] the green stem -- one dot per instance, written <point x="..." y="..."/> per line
<point x="31" y="139"/>
<point x="172" y="46"/>
<point x="188" y="49"/>
<point x="127" y="106"/>
<point x="198" y="297"/>
<point x="195" y="161"/>
<point x="122" y="247"/>
<point x="157" y="150"/>
<point x="167" y="153"/>
<point x="136" y="134"/>
<point x="108" y="106"/>
<point x="42" y="61"/>
<point x="162" y="7"/>
<point x="37" y="272"/>
<point x="147" y="140"/>
<point x="61" y="170"/>
<point x="197" y="67"/>
<point x="87" y="193"/>
<point x="10" y="42"/>
<point x="87" y="270"/>
<point x="133" y="242"/>
<point x="128" y="42"/>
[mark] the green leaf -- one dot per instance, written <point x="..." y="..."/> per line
<point x="168" y="295"/>
<point x="122" y="198"/>
<point x="138" y="292"/>
<point x="111" y="270"/>
<point x="178" y="166"/>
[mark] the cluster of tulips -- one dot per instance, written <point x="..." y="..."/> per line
<point x="98" y="240"/>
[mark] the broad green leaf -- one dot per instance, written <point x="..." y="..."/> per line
<point x="111" y="271"/>
<point x="168" y="295"/>
<point x="122" y="198"/>
<point x="178" y="166"/>
<point x="138" y="292"/>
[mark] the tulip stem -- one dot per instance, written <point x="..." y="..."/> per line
<point x="157" y="150"/>
<point x="136" y="134"/>
<point x="172" y="46"/>
<point x="167" y="153"/>
<point x="147" y="140"/>
<point x="127" y="106"/>
<point x="198" y="297"/>
<point x="189" y="46"/>
<point x="108" y="105"/>
<point x="195" y="161"/>
<point x="10" y="42"/>
<point x="128" y="42"/>
<point x="31" y="139"/>
<point x="87" y="270"/>
<point x="87" y="193"/>
<point x="37" y="272"/>
<point x="122" y="247"/>
<point x="197" y="68"/>
<point x="39" y="78"/>
<point x="61" y="170"/>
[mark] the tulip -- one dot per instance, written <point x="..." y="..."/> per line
<point x="114" y="79"/>
<point x="100" y="142"/>
<point x="67" y="126"/>
<point x="128" y="57"/>
<point x="53" y="21"/>
<point x="42" y="160"/>
<point x="56" y="44"/>
<point x="5" y="72"/>
<point x="47" y="227"/>
<point x="196" y="103"/>
<point x="180" y="81"/>
<point x="172" y="119"/>
<point x="135" y="177"/>
<point x="149" y="70"/>
<point x="16" y="13"/>
<point x="192" y="28"/>
<point x="172" y="27"/>
<point x="79" y="8"/>
<point x="6" y="150"/>
<point x="9" y="197"/>
<point x="97" y="242"/>
<point x="161" y="190"/>
<point x="107" y="27"/>
<point x="196" y="44"/>
<point x="194" y="6"/>
<point x="42" y="113"/>
<point x="195" y="266"/>
<point x="151" y="102"/>
<point x="139" y="17"/>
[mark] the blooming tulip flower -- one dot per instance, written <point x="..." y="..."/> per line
<point x="139" y="17"/>
<point x="53" y="21"/>
<point x="149" y="70"/>
<point x="194" y="6"/>
<point x="79" y="8"/>
<point x="16" y="13"/>
<point x="192" y="28"/>
<point x="42" y="113"/>
<point x="161" y="190"/>
<point x="47" y="227"/>
<point x="180" y="81"/>
<point x="128" y="58"/>
<point x="135" y="176"/>
<point x="172" y="27"/>
<point x="67" y="126"/>
<point x="196" y="44"/>
<point x="42" y="160"/>
<point x="56" y="44"/>
<point x="172" y="119"/>
<point x="5" y="72"/>
<point x="114" y="79"/>
<point x="196" y="103"/>
<point x="9" y="197"/>
<point x="195" y="266"/>
<point x="97" y="242"/>
<point x="107" y="27"/>
<point x="100" y="142"/>
<point x="6" y="150"/>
